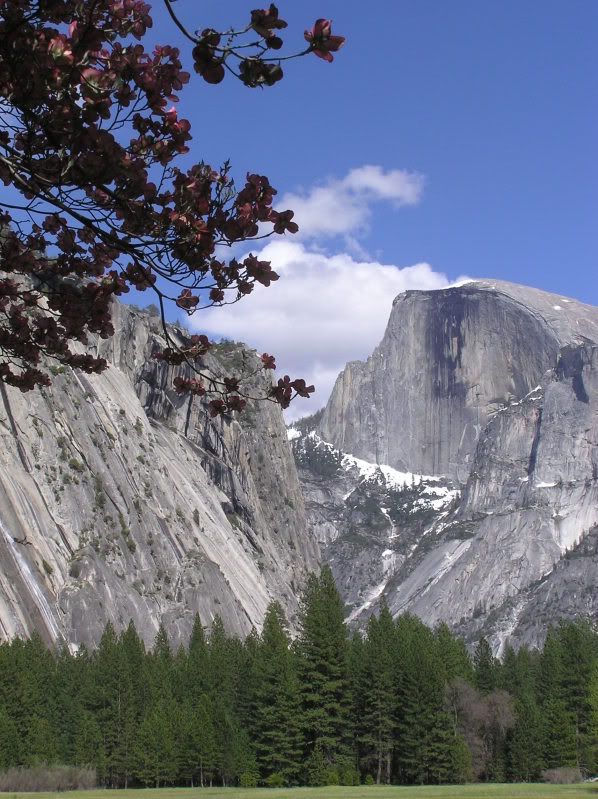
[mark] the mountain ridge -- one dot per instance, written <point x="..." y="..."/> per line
<point x="523" y="455"/>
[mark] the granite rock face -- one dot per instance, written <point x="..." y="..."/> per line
<point x="448" y="360"/>
<point x="454" y="475"/>
<point x="494" y="387"/>
<point x="120" y="500"/>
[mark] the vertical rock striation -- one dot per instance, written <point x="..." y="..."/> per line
<point x="447" y="361"/>
<point x="121" y="500"/>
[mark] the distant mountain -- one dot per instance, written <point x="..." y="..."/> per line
<point x="491" y="390"/>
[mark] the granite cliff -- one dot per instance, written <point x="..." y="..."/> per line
<point x="492" y="389"/>
<point x="121" y="500"/>
<point x="454" y="474"/>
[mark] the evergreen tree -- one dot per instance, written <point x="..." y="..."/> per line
<point x="400" y="703"/>
<point x="559" y="738"/>
<point x="485" y="667"/>
<point x="224" y="656"/>
<point x="277" y="732"/>
<point x="89" y="743"/>
<point x="322" y="650"/>
<point x="593" y="719"/>
<point x="29" y="704"/>
<point x="377" y="724"/>
<point x="357" y="693"/>
<point x="9" y="741"/>
<point x="197" y="662"/>
<point x="131" y="702"/>
<point x="65" y="704"/>
<point x="425" y="740"/>
<point x="453" y="655"/>
<point x="198" y="745"/>
<point x="579" y="652"/>
<point x="525" y="757"/>
<point x="156" y="756"/>
<point x="108" y="702"/>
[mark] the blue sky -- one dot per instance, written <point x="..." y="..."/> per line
<point x="481" y="121"/>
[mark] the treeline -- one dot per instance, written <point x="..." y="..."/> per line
<point x="400" y="703"/>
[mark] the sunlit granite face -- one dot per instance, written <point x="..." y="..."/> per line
<point x="494" y="388"/>
<point x="120" y="500"/>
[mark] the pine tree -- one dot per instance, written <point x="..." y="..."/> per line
<point x="89" y="743"/>
<point x="454" y="657"/>
<point x="197" y="662"/>
<point x="377" y="725"/>
<point x="485" y="667"/>
<point x="65" y="704"/>
<point x="579" y="648"/>
<point x="425" y="740"/>
<point x="31" y="669"/>
<point x="323" y="669"/>
<point x="593" y="720"/>
<point x="559" y="738"/>
<point x="525" y="742"/>
<point x="108" y="701"/>
<point x="357" y="702"/>
<point x="156" y="756"/>
<point x="277" y="733"/>
<point x="131" y="702"/>
<point x="198" y="745"/>
<point x="224" y="656"/>
<point x="9" y="741"/>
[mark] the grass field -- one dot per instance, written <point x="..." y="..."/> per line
<point x="519" y="791"/>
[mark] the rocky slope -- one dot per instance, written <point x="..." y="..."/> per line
<point x="121" y="500"/>
<point x="494" y="387"/>
<point x="454" y="474"/>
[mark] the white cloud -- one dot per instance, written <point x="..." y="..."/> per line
<point x="324" y="311"/>
<point x="405" y="188"/>
<point x="344" y="207"/>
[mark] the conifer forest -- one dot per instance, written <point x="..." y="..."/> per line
<point x="399" y="704"/>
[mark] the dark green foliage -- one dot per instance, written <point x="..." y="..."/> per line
<point x="485" y="667"/>
<point x="453" y="655"/>
<point x="409" y="504"/>
<point x="425" y="735"/>
<point x="400" y="703"/>
<point x="309" y="424"/>
<point x="317" y="456"/>
<point x="375" y="701"/>
<point x="323" y="666"/>
<point x="276" y="729"/>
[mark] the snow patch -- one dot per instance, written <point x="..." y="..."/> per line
<point x="557" y="307"/>
<point x="534" y="394"/>
<point x="293" y="433"/>
<point x="392" y="477"/>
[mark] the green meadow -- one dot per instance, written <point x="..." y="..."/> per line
<point x="510" y="791"/>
